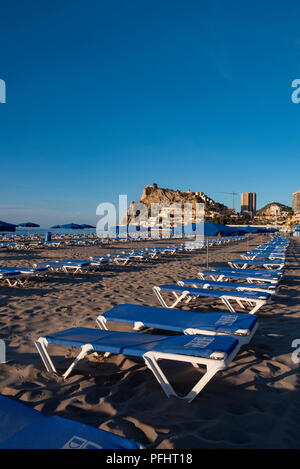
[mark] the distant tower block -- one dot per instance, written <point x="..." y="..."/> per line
<point x="248" y="203"/>
<point x="296" y="202"/>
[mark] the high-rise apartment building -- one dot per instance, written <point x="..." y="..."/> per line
<point x="296" y="202"/>
<point x="248" y="202"/>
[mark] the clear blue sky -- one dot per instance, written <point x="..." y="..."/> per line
<point x="107" y="96"/>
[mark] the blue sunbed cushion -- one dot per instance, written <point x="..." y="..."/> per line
<point x="228" y="285"/>
<point x="49" y="264"/>
<point x="252" y="272"/>
<point x="178" y="321"/>
<point x="254" y="262"/>
<point x="216" y="293"/>
<point x="9" y="270"/>
<point x="63" y="263"/>
<point x="137" y="344"/>
<point x="198" y="345"/>
<point x="23" y="269"/>
<point x="239" y="275"/>
<point x="24" y="428"/>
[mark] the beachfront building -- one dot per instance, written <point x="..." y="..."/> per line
<point x="296" y="202"/>
<point x="296" y="206"/>
<point x="248" y="203"/>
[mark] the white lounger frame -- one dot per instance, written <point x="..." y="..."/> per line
<point x="226" y="298"/>
<point x="266" y="265"/>
<point x="11" y="280"/>
<point x="219" y="277"/>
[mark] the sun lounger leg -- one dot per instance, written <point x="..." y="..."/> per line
<point x="84" y="351"/>
<point x="240" y="304"/>
<point x="210" y="373"/>
<point x="159" y="297"/>
<point x="162" y="301"/>
<point x="41" y="345"/>
<point x="159" y="375"/>
<point x="258" y="305"/>
<point x="211" y="370"/>
<point x="10" y="283"/>
<point x="101" y="322"/>
<point x="228" y="304"/>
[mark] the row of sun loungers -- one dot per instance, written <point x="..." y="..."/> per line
<point x="18" y="276"/>
<point x="209" y="339"/>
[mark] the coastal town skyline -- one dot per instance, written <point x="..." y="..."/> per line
<point x="236" y="212"/>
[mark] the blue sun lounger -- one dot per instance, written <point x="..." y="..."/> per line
<point x="11" y="278"/>
<point x="257" y="272"/>
<point x="24" y="428"/>
<point x="240" y="326"/>
<point x="220" y="276"/>
<point x="195" y="282"/>
<point x="185" y="294"/>
<point x="121" y="259"/>
<point x="66" y="265"/>
<point x="261" y="275"/>
<point x="19" y="275"/>
<point x="272" y="255"/>
<point x="213" y="352"/>
<point x="267" y="264"/>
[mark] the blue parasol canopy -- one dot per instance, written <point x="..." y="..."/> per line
<point x="72" y="226"/>
<point x="29" y="224"/>
<point x="7" y="226"/>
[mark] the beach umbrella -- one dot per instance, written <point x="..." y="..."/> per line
<point x="72" y="226"/>
<point x="7" y="226"/>
<point x="29" y="224"/>
<point x="208" y="228"/>
<point x="249" y="229"/>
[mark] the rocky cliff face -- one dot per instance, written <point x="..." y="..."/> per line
<point x="158" y="195"/>
<point x="152" y="194"/>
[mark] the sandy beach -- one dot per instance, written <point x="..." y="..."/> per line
<point x="253" y="404"/>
